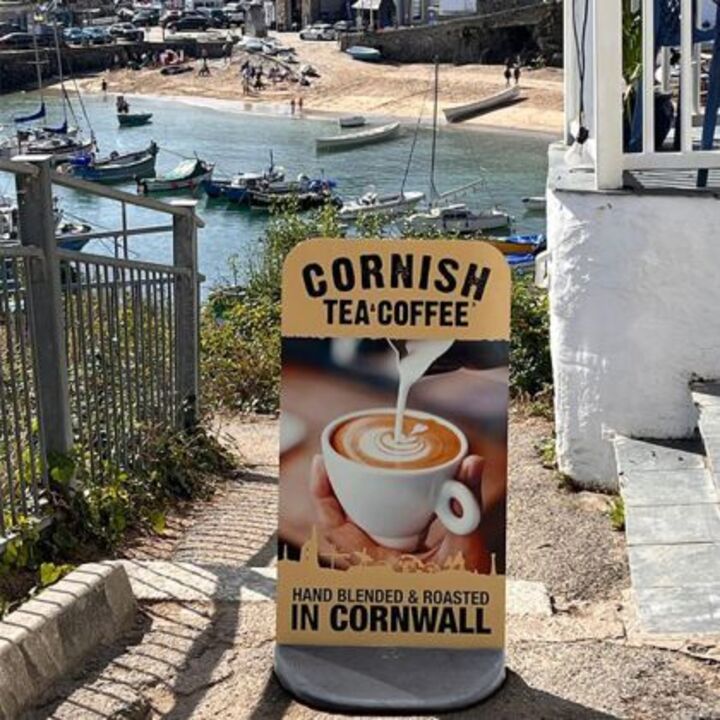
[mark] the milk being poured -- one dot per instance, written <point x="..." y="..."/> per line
<point x="420" y="355"/>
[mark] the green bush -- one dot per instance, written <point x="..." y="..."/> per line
<point x="240" y="336"/>
<point x="530" y="362"/>
<point x="241" y="325"/>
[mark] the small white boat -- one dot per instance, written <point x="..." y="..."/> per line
<point x="352" y="121"/>
<point x="356" y="139"/>
<point x="389" y="205"/>
<point x="464" y="112"/>
<point x="457" y="219"/>
<point x="366" y="54"/>
<point x="535" y="203"/>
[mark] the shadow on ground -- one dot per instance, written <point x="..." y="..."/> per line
<point x="516" y="700"/>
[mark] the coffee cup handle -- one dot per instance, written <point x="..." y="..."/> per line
<point x="470" y="518"/>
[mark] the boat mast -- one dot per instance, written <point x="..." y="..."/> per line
<point x="60" y="68"/>
<point x="38" y="69"/>
<point x="433" y="189"/>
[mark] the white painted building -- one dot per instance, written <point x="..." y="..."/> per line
<point x="633" y="243"/>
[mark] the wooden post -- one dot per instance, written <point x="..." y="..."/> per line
<point x="607" y="65"/>
<point x="45" y="304"/>
<point x="187" y="314"/>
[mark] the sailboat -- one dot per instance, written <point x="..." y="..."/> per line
<point x="444" y="217"/>
<point x="60" y="142"/>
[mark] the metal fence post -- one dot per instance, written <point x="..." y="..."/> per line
<point x="187" y="314"/>
<point x="46" y="316"/>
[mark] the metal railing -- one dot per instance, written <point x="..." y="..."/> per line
<point x="95" y="351"/>
<point x="23" y="476"/>
<point x="605" y="99"/>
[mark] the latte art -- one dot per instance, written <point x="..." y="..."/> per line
<point x="370" y="440"/>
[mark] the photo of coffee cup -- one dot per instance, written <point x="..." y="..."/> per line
<point x="392" y="487"/>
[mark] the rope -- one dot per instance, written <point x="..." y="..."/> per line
<point x="82" y="104"/>
<point x="177" y="154"/>
<point x="414" y="142"/>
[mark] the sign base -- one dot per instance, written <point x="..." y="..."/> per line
<point x="355" y="679"/>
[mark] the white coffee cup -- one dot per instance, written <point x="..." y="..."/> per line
<point x="394" y="506"/>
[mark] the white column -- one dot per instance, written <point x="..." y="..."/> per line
<point x="608" y="94"/>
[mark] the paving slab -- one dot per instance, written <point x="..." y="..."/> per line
<point x="634" y="454"/>
<point x="667" y="487"/>
<point x="680" y="610"/>
<point x="663" y="566"/>
<point x="670" y="524"/>
<point x="163" y="581"/>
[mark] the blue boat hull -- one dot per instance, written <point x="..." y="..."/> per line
<point x="219" y="190"/>
<point x="115" y="173"/>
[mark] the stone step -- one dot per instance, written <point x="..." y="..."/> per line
<point x="672" y="524"/>
<point x="706" y="397"/>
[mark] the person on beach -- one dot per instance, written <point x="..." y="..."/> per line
<point x="104" y="87"/>
<point x="292" y="106"/>
<point x="300" y="103"/>
<point x="508" y="74"/>
<point x="205" y="69"/>
<point x="516" y="74"/>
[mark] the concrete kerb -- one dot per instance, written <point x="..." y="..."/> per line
<point x="50" y="635"/>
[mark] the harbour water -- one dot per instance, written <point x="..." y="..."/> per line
<point x="511" y="165"/>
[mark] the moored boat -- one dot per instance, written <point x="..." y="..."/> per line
<point x="457" y="219"/>
<point x="388" y="205"/>
<point x="470" y="110"/>
<point x="304" y="192"/>
<point x="346" y="141"/>
<point x="352" y="121"/>
<point x="236" y="189"/>
<point x="518" y="244"/>
<point x="366" y="54"/>
<point x="61" y="148"/>
<point x="134" y="119"/>
<point x="188" y="175"/>
<point x="535" y="203"/>
<point x="116" y="167"/>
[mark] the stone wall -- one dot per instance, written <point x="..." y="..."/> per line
<point x="17" y="71"/>
<point x="491" y="37"/>
<point x="634" y="316"/>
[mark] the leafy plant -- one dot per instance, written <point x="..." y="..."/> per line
<point x="547" y="452"/>
<point x="616" y="513"/>
<point x="530" y="360"/>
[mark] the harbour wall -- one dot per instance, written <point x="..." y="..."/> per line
<point x="17" y="67"/>
<point x="530" y="29"/>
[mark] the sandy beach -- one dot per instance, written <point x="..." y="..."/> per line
<point x="345" y="86"/>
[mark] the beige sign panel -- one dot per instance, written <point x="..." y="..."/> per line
<point x="414" y="289"/>
<point x="393" y="460"/>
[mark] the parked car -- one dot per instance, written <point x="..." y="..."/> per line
<point x="146" y="18"/>
<point x="16" y="41"/>
<point x="75" y="36"/>
<point x="189" y="23"/>
<point x="318" y="31"/>
<point x="215" y="16"/>
<point x="98" y="35"/>
<point x="343" y="26"/>
<point x="126" y="31"/>
<point x="170" y="16"/>
<point x="235" y="14"/>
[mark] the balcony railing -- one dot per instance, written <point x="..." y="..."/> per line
<point x="620" y="55"/>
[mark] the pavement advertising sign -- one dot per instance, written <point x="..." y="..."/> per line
<point x="393" y="473"/>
